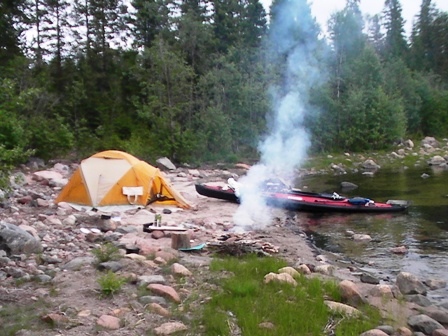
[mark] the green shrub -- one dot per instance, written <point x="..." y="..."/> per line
<point x="106" y="252"/>
<point x="110" y="283"/>
<point x="50" y="137"/>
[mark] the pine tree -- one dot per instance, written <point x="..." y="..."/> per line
<point x="395" y="42"/>
<point x="422" y="37"/>
<point x="194" y="34"/>
<point x="12" y="17"/>
<point x="348" y="41"/>
<point x="440" y="40"/>
<point x="375" y="34"/>
<point x="151" y="18"/>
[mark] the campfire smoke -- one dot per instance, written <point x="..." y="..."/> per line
<point x="285" y="147"/>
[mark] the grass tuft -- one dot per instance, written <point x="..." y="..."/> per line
<point x="110" y="283"/>
<point x="106" y="252"/>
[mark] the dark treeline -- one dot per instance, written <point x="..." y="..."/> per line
<point x="191" y="79"/>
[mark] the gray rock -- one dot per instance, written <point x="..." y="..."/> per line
<point x="4" y="260"/>
<point x="370" y="279"/>
<point x="14" y="240"/>
<point x="44" y="278"/>
<point x="146" y="280"/>
<point x="15" y="272"/>
<point x="437" y="161"/>
<point x="35" y="163"/>
<point x="50" y="259"/>
<point x="69" y="221"/>
<point x="126" y="229"/>
<point x="424" y="324"/>
<point x="410" y="284"/>
<point x="370" y="164"/>
<point x="358" y="237"/>
<point x="418" y="299"/>
<point x="78" y="263"/>
<point x="17" y="180"/>
<point x="113" y="266"/>
<point x="348" y="185"/>
<point x="434" y="284"/>
<point x="409" y="144"/>
<point x="431" y="141"/>
<point x="438" y="314"/>
<point x="165" y="164"/>
<point x="152" y="299"/>
<point x="396" y="155"/>
<point x="387" y="329"/>
<point x="114" y="236"/>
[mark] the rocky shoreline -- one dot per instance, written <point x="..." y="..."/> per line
<point x="46" y="256"/>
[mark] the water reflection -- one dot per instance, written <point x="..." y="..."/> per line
<point x="423" y="229"/>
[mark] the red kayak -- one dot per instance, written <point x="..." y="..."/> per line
<point x="295" y="200"/>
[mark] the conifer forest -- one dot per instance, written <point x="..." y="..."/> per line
<point x="198" y="80"/>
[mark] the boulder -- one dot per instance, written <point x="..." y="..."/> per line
<point x="14" y="240"/>
<point x="165" y="164"/>
<point x="410" y="284"/>
<point x="370" y="279"/>
<point x="430" y="141"/>
<point x="409" y="144"/>
<point x="370" y="164"/>
<point x="424" y="324"/>
<point x="438" y="314"/>
<point x="350" y="293"/>
<point x="384" y="291"/>
<point x="290" y="270"/>
<point x="418" y="299"/>
<point x="434" y="284"/>
<point x="282" y="277"/>
<point x="437" y="161"/>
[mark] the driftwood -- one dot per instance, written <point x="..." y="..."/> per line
<point x="238" y="246"/>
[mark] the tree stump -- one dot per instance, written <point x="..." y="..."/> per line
<point x="180" y="240"/>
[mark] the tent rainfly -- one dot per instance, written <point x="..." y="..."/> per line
<point x="115" y="178"/>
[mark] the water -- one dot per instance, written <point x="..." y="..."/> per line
<point x="423" y="229"/>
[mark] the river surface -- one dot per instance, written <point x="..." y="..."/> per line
<point x="423" y="229"/>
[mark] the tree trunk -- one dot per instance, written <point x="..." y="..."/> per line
<point x="180" y="240"/>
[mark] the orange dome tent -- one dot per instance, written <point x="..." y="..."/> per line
<point x="112" y="178"/>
